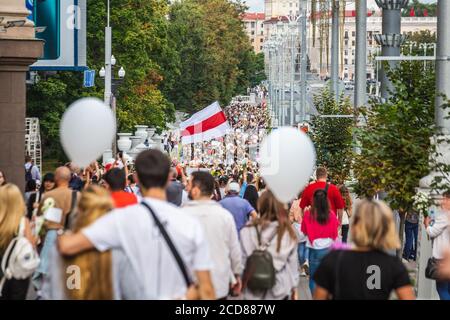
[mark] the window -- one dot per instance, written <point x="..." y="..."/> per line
<point x="253" y="40"/>
<point x="353" y="34"/>
<point x="346" y="42"/>
<point x="253" y="25"/>
<point x="253" y="33"/>
<point x="353" y="52"/>
<point x="262" y="33"/>
<point x="345" y="61"/>
<point x="353" y="43"/>
<point x="261" y="40"/>
<point x="346" y="52"/>
<point x="353" y="61"/>
<point x="260" y="48"/>
<point x="346" y="35"/>
<point x="290" y="4"/>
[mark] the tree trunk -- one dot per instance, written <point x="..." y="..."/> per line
<point x="401" y="233"/>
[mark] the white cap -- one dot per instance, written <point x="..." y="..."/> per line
<point x="234" y="187"/>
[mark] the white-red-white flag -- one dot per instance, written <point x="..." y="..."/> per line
<point x="205" y="125"/>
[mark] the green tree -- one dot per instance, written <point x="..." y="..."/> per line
<point x="332" y="137"/>
<point x="395" y="142"/>
<point x="215" y="60"/>
<point x="140" y="44"/>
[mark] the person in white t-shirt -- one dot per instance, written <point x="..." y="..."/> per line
<point x="134" y="231"/>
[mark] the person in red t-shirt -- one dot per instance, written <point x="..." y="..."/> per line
<point x="334" y="195"/>
<point x="116" y="182"/>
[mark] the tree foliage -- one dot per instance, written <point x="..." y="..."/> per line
<point x="332" y="137"/>
<point x="395" y="142"/>
<point x="183" y="55"/>
<point x="215" y="58"/>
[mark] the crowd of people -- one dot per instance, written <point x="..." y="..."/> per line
<point x="247" y="116"/>
<point x="159" y="230"/>
<point x="204" y="226"/>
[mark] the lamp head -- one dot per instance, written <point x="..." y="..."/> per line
<point x="122" y="73"/>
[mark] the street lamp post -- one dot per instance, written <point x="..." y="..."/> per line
<point x="303" y="59"/>
<point x="114" y="86"/>
<point x="335" y="49"/>
<point x="391" y="39"/>
<point x="361" y="54"/>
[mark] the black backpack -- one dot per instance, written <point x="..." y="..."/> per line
<point x="259" y="273"/>
<point x="28" y="175"/>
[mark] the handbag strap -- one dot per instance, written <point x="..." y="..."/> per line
<point x="172" y="248"/>
<point x="267" y="244"/>
<point x="72" y="208"/>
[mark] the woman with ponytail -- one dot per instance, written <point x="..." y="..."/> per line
<point x="275" y="230"/>
<point x="320" y="225"/>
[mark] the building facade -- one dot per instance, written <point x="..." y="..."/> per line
<point x="374" y="26"/>
<point x="276" y="8"/>
<point x="254" y="27"/>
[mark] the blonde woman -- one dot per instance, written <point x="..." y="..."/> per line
<point x="366" y="272"/>
<point x="101" y="275"/>
<point x="12" y="214"/>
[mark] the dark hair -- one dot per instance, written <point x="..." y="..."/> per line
<point x="30" y="185"/>
<point x="131" y="179"/>
<point x="115" y="178"/>
<point x="152" y="167"/>
<point x="223" y="180"/>
<point x="50" y="176"/>
<point x="204" y="181"/>
<point x="446" y="194"/>
<point x="320" y="208"/>
<point x="321" y="172"/>
<point x="346" y="196"/>
<point x="28" y="158"/>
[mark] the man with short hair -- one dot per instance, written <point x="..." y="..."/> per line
<point x="220" y="230"/>
<point x="76" y="183"/>
<point x="63" y="209"/>
<point x="31" y="171"/>
<point x="62" y="196"/>
<point x="134" y="230"/>
<point x="115" y="183"/>
<point x="334" y="195"/>
<point x="240" y="208"/>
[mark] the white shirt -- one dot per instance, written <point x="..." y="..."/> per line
<point x="132" y="229"/>
<point x="345" y="219"/>
<point x="220" y="230"/>
<point x="439" y="232"/>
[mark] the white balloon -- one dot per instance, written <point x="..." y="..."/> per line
<point x="87" y="129"/>
<point x="287" y="158"/>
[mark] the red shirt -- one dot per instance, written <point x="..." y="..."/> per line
<point x="334" y="196"/>
<point x="314" y="230"/>
<point x="123" y="199"/>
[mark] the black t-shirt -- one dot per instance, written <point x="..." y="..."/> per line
<point x="354" y="275"/>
